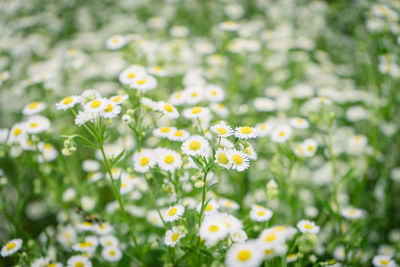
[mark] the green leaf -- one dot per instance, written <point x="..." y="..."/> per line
<point x="197" y="162"/>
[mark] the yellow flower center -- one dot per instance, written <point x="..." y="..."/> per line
<point x="209" y="207"/>
<point x="33" y="105"/>
<point x="175" y="237"/>
<point x="144" y="161"/>
<point x="79" y="264"/>
<point x="237" y="159"/>
<point x="108" y="243"/>
<point x="172" y="211"/>
<point x="178" y="133"/>
<point x="165" y="129"/>
<point x="270" y="238"/>
<point x="213" y="92"/>
<point x="281" y="133"/>
<point x="244" y="255"/>
<point x="131" y="75"/>
<point x="352" y="212"/>
<point x="194" y="145"/>
<point x="87" y="223"/>
<point x="168" y="108"/>
<point x="109" y="108"/>
<point x="51" y="264"/>
<point x="268" y="251"/>
<point x="222" y="131"/>
<point x="157" y="68"/>
<point x="10" y="246"/>
<point x="117" y="99"/>
<point x="95" y="104"/>
<point x="33" y="125"/>
<point x="17" y="131"/>
<point x="308" y="226"/>
<point x="246" y="130"/>
<point x="115" y="40"/>
<point x="194" y="94"/>
<point x="47" y="146"/>
<point x="310" y="148"/>
<point x="112" y="252"/>
<point x="384" y="262"/>
<point x="213" y="228"/>
<point x="196" y="110"/>
<point x="263" y="127"/>
<point x="178" y="95"/>
<point x="67" y="100"/>
<point x="261" y="213"/>
<point x="228" y="203"/>
<point x="223" y="159"/>
<point x="169" y="159"/>
<point x="141" y="82"/>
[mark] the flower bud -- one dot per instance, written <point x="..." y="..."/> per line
<point x="306" y="242"/>
<point x="126" y="118"/>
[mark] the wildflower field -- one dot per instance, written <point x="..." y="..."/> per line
<point x="200" y="133"/>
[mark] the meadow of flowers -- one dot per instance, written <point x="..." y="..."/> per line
<point x="199" y="133"/>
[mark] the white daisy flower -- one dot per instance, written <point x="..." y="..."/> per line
<point x="89" y="245"/>
<point x="109" y="241"/>
<point x="238" y="236"/>
<point x="144" y="160"/>
<point x="264" y="129"/>
<point x="178" y="135"/>
<point x="127" y="185"/>
<point x="79" y="261"/>
<point x="11" y="247"/>
<point x="67" y="236"/>
<point x="193" y="95"/>
<point x="90" y="94"/>
<point x="164" y="132"/>
<point x="212" y="229"/>
<point x="222" y="158"/>
<point x="173" y="236"/>
<point x="149" y="103"/>
<point x="239" y="160"/>
<point x="145" y="83"/>
<point x="132" y="73"/>
<point x="281" y="133"/>
<point x="157" y="71"/>
<point x="49" y="153"/>
<point x="68" y="102"/>
<point x="177" y="98"/>
<point x="274" y="250"/>
<point x="306" y="226"/>
<point x="34" y="108"/>
<point x="45" y="262"/>
<point x="154" y="218"/>
<point x="309" y="147"/>
<point x="246" y="254"/>
<point x="264" y="104"/>
<point x="169" y="110"/>
<point x="195" y="112"/>
<point x="83" y="117"/>
<point x="96" y="106"/>
<point x="112" y="254"/>
<point x="299" y="123"/>
<point x="260" y="214"/>
<point x="352" y="213"/>
<point x="111" y="110"/>
<point x="196" y="145"/>
<point x="173" y="213"/>
<point x="383" y="261"/>
<point x="103" y="228"/>
<point x="211" y="207"/>
<point x="229" y="26"/>
<point x="228" y="204"/>
<point x="245" y="132"/>
<point x="116" y="42"/>
<point x="169" y="160"/>
<point x="17" y="133"/>
<point x="222" y="129"/>
<point x="250" y="152"/>
<point x="270" y="237"/>
<point x="37" y="124"/>
<point x="85" y="226"/>
<point x="119" y="99"/>
<point x="214" y="93"/>
<point x="291" y="258"/>
<point x="220" y="110"/>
